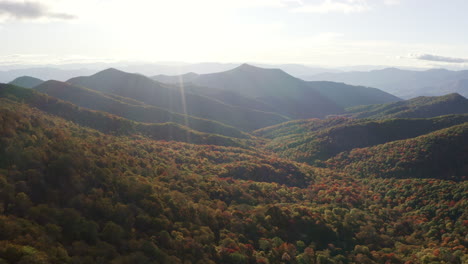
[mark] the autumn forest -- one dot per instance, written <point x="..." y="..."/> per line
<point x="250" y="165"/>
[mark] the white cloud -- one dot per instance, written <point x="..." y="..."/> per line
<point x="29" y="10"/>
<point x="431" y="57"/>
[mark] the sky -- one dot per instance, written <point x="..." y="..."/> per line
<point x="407" y="33"/>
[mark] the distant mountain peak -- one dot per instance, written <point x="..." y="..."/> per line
<point x="190" y="73"/>
<point x="390" y="69"/>
<point x="110" y="71"/>
<point x="27" y="77"/>
<point x="26" y="81"/>
<point x="116" y="74"/>
<point x="454" y="96"/>
<point x="249" y="68"/>
<point x="52" y="82"/>
<point x="246" y="66"/>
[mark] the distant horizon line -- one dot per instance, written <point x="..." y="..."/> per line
<point x="124" y="63"/>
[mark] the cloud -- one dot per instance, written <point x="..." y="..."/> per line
<point x="335" y="6"/>
<point x="430" y="57"/>
<point x="27" y="10"/>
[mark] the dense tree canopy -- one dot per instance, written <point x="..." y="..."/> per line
<point x="73" y="193"/>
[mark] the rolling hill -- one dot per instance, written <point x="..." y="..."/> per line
<point x="348" y="96"/>
<point x="108" y="123"/>
<point x="419" y="107"/>
<point x="313" y="141"/>
<point x="177" y="100"/>
<point x="442" y="154"/>
<point x="26" y="81"/>
<point x="133" y="110"/>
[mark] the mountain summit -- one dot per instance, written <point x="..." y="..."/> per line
<point x="289" y="95"/>
<point x="26" y="81"/>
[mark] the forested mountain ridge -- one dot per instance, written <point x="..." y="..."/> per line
<point x="419" y="107"/>
<point x="177" y="100"/>
<point x="318" y="140"/>
<point x="70" y="194"/>
<point x="108" y="123"/>
<point x="289" y="95"/>
<point x="133" y="110"/>
<point x="441" y="154"/>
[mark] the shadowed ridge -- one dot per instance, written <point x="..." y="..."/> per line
<point x="175" y="99"/>
<point x="133" y="110"/>
<point x="108" y="123"/>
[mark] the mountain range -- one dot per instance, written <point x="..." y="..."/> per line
<point x="247" y="105"/>
<point x="403" y="83"/>
<point x="118" y="168"/>
<point x="289" y="95"/>
<point x="66" y="71"/>
<point x="176" y="100"/>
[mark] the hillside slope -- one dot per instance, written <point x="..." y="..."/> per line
<point x="108" y="123"/>
<point x="315" y="140"/>
<point x="135" y="111"/>
<point x="286" y="94"/>
<point x="291" y="96"/>
<point x="442" y="154"/>
<point x="348" y="96"/>
<point x="177" y="100"/>
<point x="420" y="107"/>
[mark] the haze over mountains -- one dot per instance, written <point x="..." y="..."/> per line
<point x="66" y="71"/>
<point x="43" y="73"/>
<point x="403" y="83"/>
<point x="290" y="96"/>
<point x="246" y="97"/>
